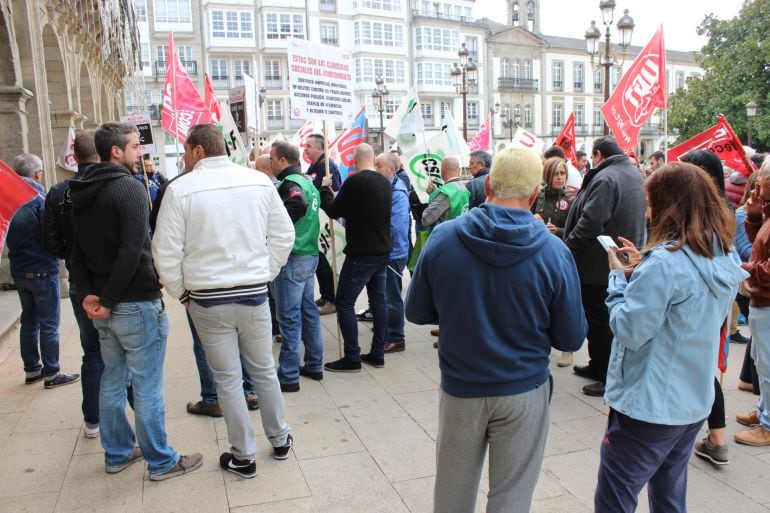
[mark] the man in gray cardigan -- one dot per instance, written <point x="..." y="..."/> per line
<point x="611" y="202"/>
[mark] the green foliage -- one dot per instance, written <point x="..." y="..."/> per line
<point x="736" y="61"/>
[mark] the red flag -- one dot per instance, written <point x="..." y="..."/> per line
<point x="183" y="107"/>
<point x="341" y="149"/>
<point x="640" y="91"/>
<point x="14" y="192"/>
<point x="481" y="139"/>
<point x="724" y="348"/>
<point x="566" y="139"/>
<point x="210" y="99"/>
<point x="720" y="139"/>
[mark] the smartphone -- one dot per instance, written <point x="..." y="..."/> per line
<point x="609" y="245"/>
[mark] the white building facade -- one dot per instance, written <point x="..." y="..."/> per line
<point x="524" y="78"/>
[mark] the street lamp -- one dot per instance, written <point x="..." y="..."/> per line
<point x="380" y="93"/>
<point x="261" y="99"/>
<point x="464" y="79"/>
<point x="751" y="111"/>
<point x="593" y="45"/>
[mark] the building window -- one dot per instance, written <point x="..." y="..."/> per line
<point x="515" y="69"/>
<point x="441" y="40"/>
<point x="329" y="34"/>
<point x="557" y="115"/>
<point x="445" y="108"/>
<point x="218" y="69"/>
<point x="472" y="45"/>
<point x="527" y="69"/>
<point x="577" y="76"/>
<point x="528" y="116"/>
<point x="517" y="113"/>
<point x="556" y="69"/>
<point x="281" y="25"/>
<point x="140" y="7"/>
<point x="679" y="79"/>
<point x="172" y="11"/>
<point x="505" y="67"/>
<point x="241" y="67"/>
<point x="427" y="111"/>
<point x="616" y="73"/>
<point x="473" y="113"/>
<point x="184" y="52"/>
<point x="391" y="105"/>
<point x="327" y="5"/>
<point x="273" y="74"/>
<point x="145" y="54"/>
<point x="598" y="81"/>
<point x="378" y="34"/>
<point x="231" y="24"/>
<point x="434" y="73"/>
<point x="578" y="110"/>
<point x="393" y="71"/>
<point x="380" y="5"/>
<point x="597" y="116"/>
<point x="274" y="113"/>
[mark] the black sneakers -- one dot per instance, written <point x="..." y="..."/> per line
<point x="317" y="376"/>
<point x="244" y="468"/>
<point x="374" y="362"/>
<point x="289" y="387"/>
<point x="61" y="379"/>
<point x="282" y="453"/>
<point x="343" y="365"/>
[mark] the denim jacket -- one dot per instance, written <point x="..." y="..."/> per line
<point x="666" y="320"/>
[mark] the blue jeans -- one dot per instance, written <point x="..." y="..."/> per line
<point x="298" y="317"/>
<point x="636" y="453"/>
<point x="208" y="386"/>
<point x="395" y="300"/>
<point x="92" y="366"/>
<point x="133" y="340"/>
<point x="39" y="334"/>
<point x="359" y="272"/>
<point x="759" y="324"/>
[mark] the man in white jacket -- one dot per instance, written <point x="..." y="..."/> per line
<point x="222" y="235"/>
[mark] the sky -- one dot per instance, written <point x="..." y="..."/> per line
<point x="571" y="18"/>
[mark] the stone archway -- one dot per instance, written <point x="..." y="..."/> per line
<point x="59" y="101"/>
<point x="13" y="97"/>
<point x="7" y="64"/>
<point x="87" y="108"/>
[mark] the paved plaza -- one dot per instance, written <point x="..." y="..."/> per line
<point x="364" y="442"/>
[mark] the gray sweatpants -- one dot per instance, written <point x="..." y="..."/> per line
<point x="515" y="428"/>
<point x="229" y="332"/>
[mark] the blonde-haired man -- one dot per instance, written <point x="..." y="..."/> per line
<point x="520" y="288"/>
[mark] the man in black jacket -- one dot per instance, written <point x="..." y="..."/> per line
<point x="116" y="283"/>
<point x="365" y="202"/>
<point x="610" y="202"/>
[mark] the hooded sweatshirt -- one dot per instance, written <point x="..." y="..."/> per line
<point x="111" y="255"/>
<point x="666" y="319"/>
<point x="506" y="291"/>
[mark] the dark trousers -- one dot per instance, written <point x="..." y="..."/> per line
<point x="92" y="365"/>
<point x="325" y="277"/>
<point x="636" y="453"/>
<point x="716" y="418"/>
<point x="359" y="272"/>
<point x="39" y="331"/>
<point x="599" y="332"/>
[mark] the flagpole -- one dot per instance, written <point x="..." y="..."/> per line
<point x="332" y="245"/>
<point x="665" y="125"/>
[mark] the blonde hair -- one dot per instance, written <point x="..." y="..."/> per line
<point x="515" y="173"/>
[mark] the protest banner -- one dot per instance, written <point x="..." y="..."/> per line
<point x="65" y="157"/>
<point x="722" y="140"/>
<point x="144" y="124"/>
<point x="320" y="82"/>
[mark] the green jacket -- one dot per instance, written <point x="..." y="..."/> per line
<point x="554" y="206"/>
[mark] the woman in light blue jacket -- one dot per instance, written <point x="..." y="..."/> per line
<point x="666" y="312"/>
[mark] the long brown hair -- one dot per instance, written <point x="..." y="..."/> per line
<point x="550" y="167"/>
<point x="749" y="187"/>
<point x="686" y="208"/>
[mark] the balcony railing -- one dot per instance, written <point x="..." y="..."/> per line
<point x="441" y="16"/>
<point x="273" y="83"/>
<point x="597" y="87"/>
<point x="578" y="87"/>
<point x="517" y="84"/>
<point x="274" y="123"/>
<point x="557" y="85"/>
<point x="329" y="6"/>
<point x="473" y="121"/>
<point x="191" y="67"/>
<point x="220" y="82"/>
<point x="329" y="41"/>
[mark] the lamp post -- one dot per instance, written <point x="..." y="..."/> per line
<point x="379" y="94"/>
<point x="505" y="120"/>
<point x="464" y="78"/>
<point x="751" y="111"/>
<point x="261" y="99"/>
<point x="593" y="36"/>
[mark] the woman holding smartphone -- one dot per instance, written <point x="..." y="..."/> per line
<point x="666" y="310"/>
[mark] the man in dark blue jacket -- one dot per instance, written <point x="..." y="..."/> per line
<point x="520" y="298"/>
<point x="36" y="275"/>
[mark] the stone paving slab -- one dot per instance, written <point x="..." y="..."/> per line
<point x="365" y="442"/>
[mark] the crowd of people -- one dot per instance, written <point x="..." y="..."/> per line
<point x="506" y="266"/>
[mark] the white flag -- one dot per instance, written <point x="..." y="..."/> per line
<point x="527" y="140"/>
<point x="299" y="139"/>
<point x="423" y="162"/>
<point x="457" y="146"/>
<point x="234" y="144"/>
<point x="406" y="123"/>
<point x="65" y="157"/>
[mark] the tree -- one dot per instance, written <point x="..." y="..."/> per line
<point x="736" y="61"/>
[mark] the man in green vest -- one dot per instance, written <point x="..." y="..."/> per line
<point x="297" y="313"/>
<point x="448" y="201"/>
